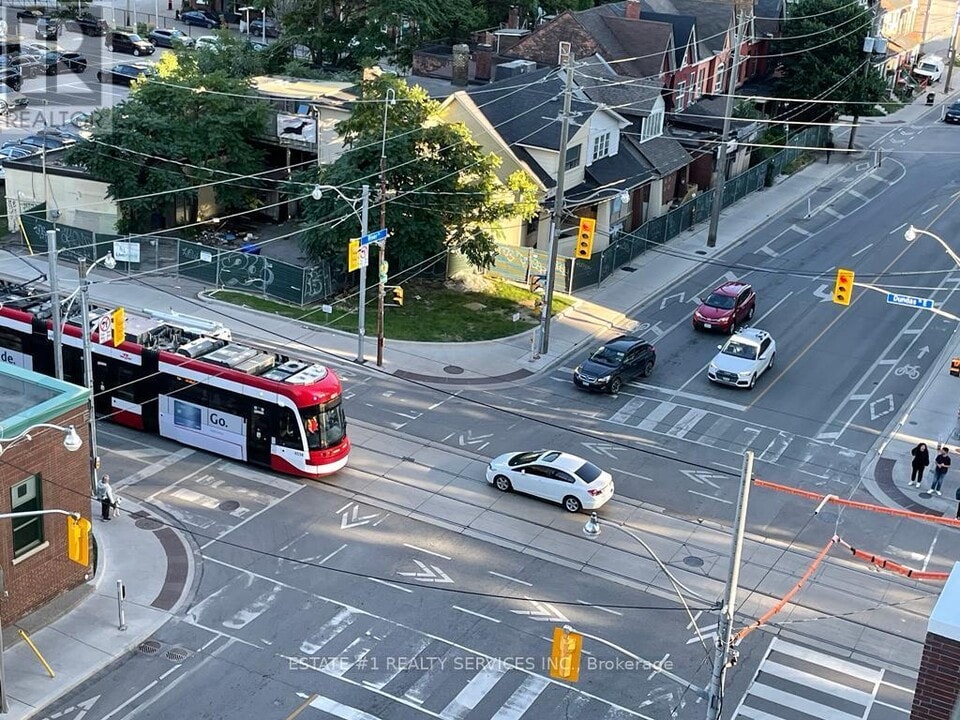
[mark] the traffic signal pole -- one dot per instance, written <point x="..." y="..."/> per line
<point x="556" y="219"/>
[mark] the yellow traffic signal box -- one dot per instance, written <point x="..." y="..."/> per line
<point x="565" y="655"/>
<point x="584" y="247"/>
<point x="78" y="540"/>
<point x="398" y="295"/>
<point x="843" y="288"/>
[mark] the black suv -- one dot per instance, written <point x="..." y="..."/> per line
<point x="88" y="24"/>
<point x="615" y="363"/>
<point x="12" y="78"/>
<point x="128" y="42"/>
<point x="48" y="28"/>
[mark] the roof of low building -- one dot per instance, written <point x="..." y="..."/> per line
<point x="28" y="398"/>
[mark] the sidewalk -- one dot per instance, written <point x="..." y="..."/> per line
<point x="156" y="569"/>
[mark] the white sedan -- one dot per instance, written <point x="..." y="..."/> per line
<point x="551" y="475"/>
<point x="743" y="358"/>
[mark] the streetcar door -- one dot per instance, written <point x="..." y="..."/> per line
<point x="259" y="435"/>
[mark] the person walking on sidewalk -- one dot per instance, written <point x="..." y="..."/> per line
<point x="921" y="459"/>
<point x="108" y="498"/>
<point x="942" y="465"/>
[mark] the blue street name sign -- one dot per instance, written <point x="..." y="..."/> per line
<point x="374" y="237"/>
<point x="909" y="301"/>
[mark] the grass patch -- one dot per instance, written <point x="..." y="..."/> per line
<point x="431" y="312"/>
<point x="799" y="163"/>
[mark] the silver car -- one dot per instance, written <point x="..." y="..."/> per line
<point x="743" y="358"/>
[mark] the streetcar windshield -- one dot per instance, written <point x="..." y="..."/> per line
<point x="324" y="425"/>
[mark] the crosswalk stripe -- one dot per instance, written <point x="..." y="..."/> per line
<point x="814" y="709"/>
<point x="333" y="627"/>
<point x="523" y="697"/>
<point x="345" y="712"/>
<point x="686" y="423"/>
<point x="776" y="448"/>
<point x="753" y="714"/>
<point x="474" y="691"/>
<point x="656" y="416"/>
<point x="817" y="683"/>
<point x="351" y="655"/>
<point x="622" y="415"/>
<point x="823" y="660"/>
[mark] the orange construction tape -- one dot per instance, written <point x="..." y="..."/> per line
<point x="834" y="500"/>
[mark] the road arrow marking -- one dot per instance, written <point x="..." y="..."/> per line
<point x="428" y="573"/>
<point x="543" y="612"/>
<point x="702" y="477"/>
<point x="351" y="518"/>
<point x="876" y="407"/>
<point x="703" y="634"/>
<point x="923" y="351"/>
<point x="470" y="439"/>
<point x="668" y="298"/>
<point x="601" y="449"/>
<point x="823" y="292"/>
<point x="82" y="707"/>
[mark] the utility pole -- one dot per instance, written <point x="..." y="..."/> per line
<point x="952" y="52"/>
<point x="88" y="367"/>
<point x="556" y="218"/>
<point x="362" y="305"/>
<point x="55" y="303"/>
<point x="724" y="653"/>
<point x="874" y="31"/>
<point x="389" y="99"/>
<point x="720" y="170"/>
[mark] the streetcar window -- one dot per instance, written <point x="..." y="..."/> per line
<point x="125" y="389"/>
<point x="325" y="426"/>
<point x="10" y="340"/>
<point x="289" y="435"/>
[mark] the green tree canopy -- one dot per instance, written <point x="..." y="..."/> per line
<point x="823" y="57"/>
<point x="442" y="189"/>
<point x="174" y="133"/>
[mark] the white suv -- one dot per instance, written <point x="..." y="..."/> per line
<point x="743" y="358"/>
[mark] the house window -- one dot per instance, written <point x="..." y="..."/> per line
<point x="573" y="158"/>
<point x="601" y="146"/>
<point x="27" y="531"/>
<point x="652" y="125"/>
<point x="718" y="80"/>
<point x="679" y="95"/>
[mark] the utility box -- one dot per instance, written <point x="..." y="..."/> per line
<point x="931" y="98"/>
<point x="955" y="366"/>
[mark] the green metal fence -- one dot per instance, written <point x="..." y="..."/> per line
<point x="514" y="263"/>
<point x="72" y="242"/>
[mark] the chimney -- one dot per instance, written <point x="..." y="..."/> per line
<point x="632" y="10"/>
<point x="484" y="55"/>
<point x="461" y="65"/>
<point x="513" y="19"/>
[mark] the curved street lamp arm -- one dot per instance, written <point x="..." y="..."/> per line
<point x="912" y="232"/>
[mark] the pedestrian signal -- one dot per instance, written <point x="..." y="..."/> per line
<point x="78" y="540"/>
<point x="584" y="248"/>
<point x="398" y="296"/>
<point x="843" y="288"/>
<point x="565" y="655"/>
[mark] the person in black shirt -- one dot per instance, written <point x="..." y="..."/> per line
<point x="921" y="459"/>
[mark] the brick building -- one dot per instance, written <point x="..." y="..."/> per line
<point x="937" y="696"/>
<point x="39" y="473"/>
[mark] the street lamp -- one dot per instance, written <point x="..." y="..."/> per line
<point x="390" y="99"/>
<point x="363" y="216"/>
<point x="912" y="233"/>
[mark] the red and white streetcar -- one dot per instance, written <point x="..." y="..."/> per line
<point x="185" y="379"/>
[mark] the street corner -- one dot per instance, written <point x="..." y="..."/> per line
<point x="890" y="481"/>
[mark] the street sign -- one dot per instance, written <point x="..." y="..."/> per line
<point x="363" y="255"/>
<point x="909" y="301"/>
<point x="374" y="237"/>
<point x="104" y="324"/>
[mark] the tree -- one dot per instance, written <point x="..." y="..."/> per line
<point x="174" y="133"/>
<point x="442" y="190"/>
<point x="823" y="59"/>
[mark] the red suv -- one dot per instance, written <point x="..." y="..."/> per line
<point x="726" y="308"/>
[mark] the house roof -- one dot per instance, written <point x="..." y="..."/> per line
<point x="683" y="26"/>
<point x="768" y="14"/>
<point x="630" y="97"/>
<point x="707" y="114"/>
<point x="664" y="154"/>
<point x="611" y="175"/>
<point x="636" y="46"/>
<point x="714" y="19"/>
<point x="526" y="109"/>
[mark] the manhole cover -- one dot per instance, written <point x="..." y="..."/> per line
<point x="453" y="369"/>
<point x="699" y="252"/>
<point x="693" y="561"/>
<point x="148" y="523"/>
<point x="149" y="647"/>
<point x="229" y="505"/>
<point x="177" y="654"/>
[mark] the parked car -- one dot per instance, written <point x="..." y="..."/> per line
<point x="930" y="68"/>
<point x="50" y="142"/>
<point x="211" y="42"/>
<point x="201" y="18"/>
<point x="952" y="115"/>
<point x="16" y="152"/>
<point x="743" y="358"/>
<point x="57" y="61"/>
<point x="128" y="42"/>
<point x="30" y="14"/>
<point x="11" y="77"/>
<point x="29" y="65"/>
<point x="551" y="475"/>
<point x="88" y="24"/>
<point x="164" y="37"/>
<point x="48" y="28"/>
<point x="726" y="308"/>
<point x="125" y="73"/>
<point x="619" y="361"/>
<point x="33" y="50"/>
<point x="257" y="28"/>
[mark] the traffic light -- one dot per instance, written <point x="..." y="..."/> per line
<point x="584" y="248"/>
<point x="565" y="655"/>
<point x="398" y="295"/>
<point x="843" y="288"/>
<point x="78" y="540"/>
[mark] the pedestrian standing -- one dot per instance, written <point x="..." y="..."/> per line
<point x="942" y="464"/>
<point x="108" y="499"/>
<point x="921" y="459"/>
<point x="958" y="503"/>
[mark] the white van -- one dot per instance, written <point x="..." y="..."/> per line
<point x="929" y="67"/>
